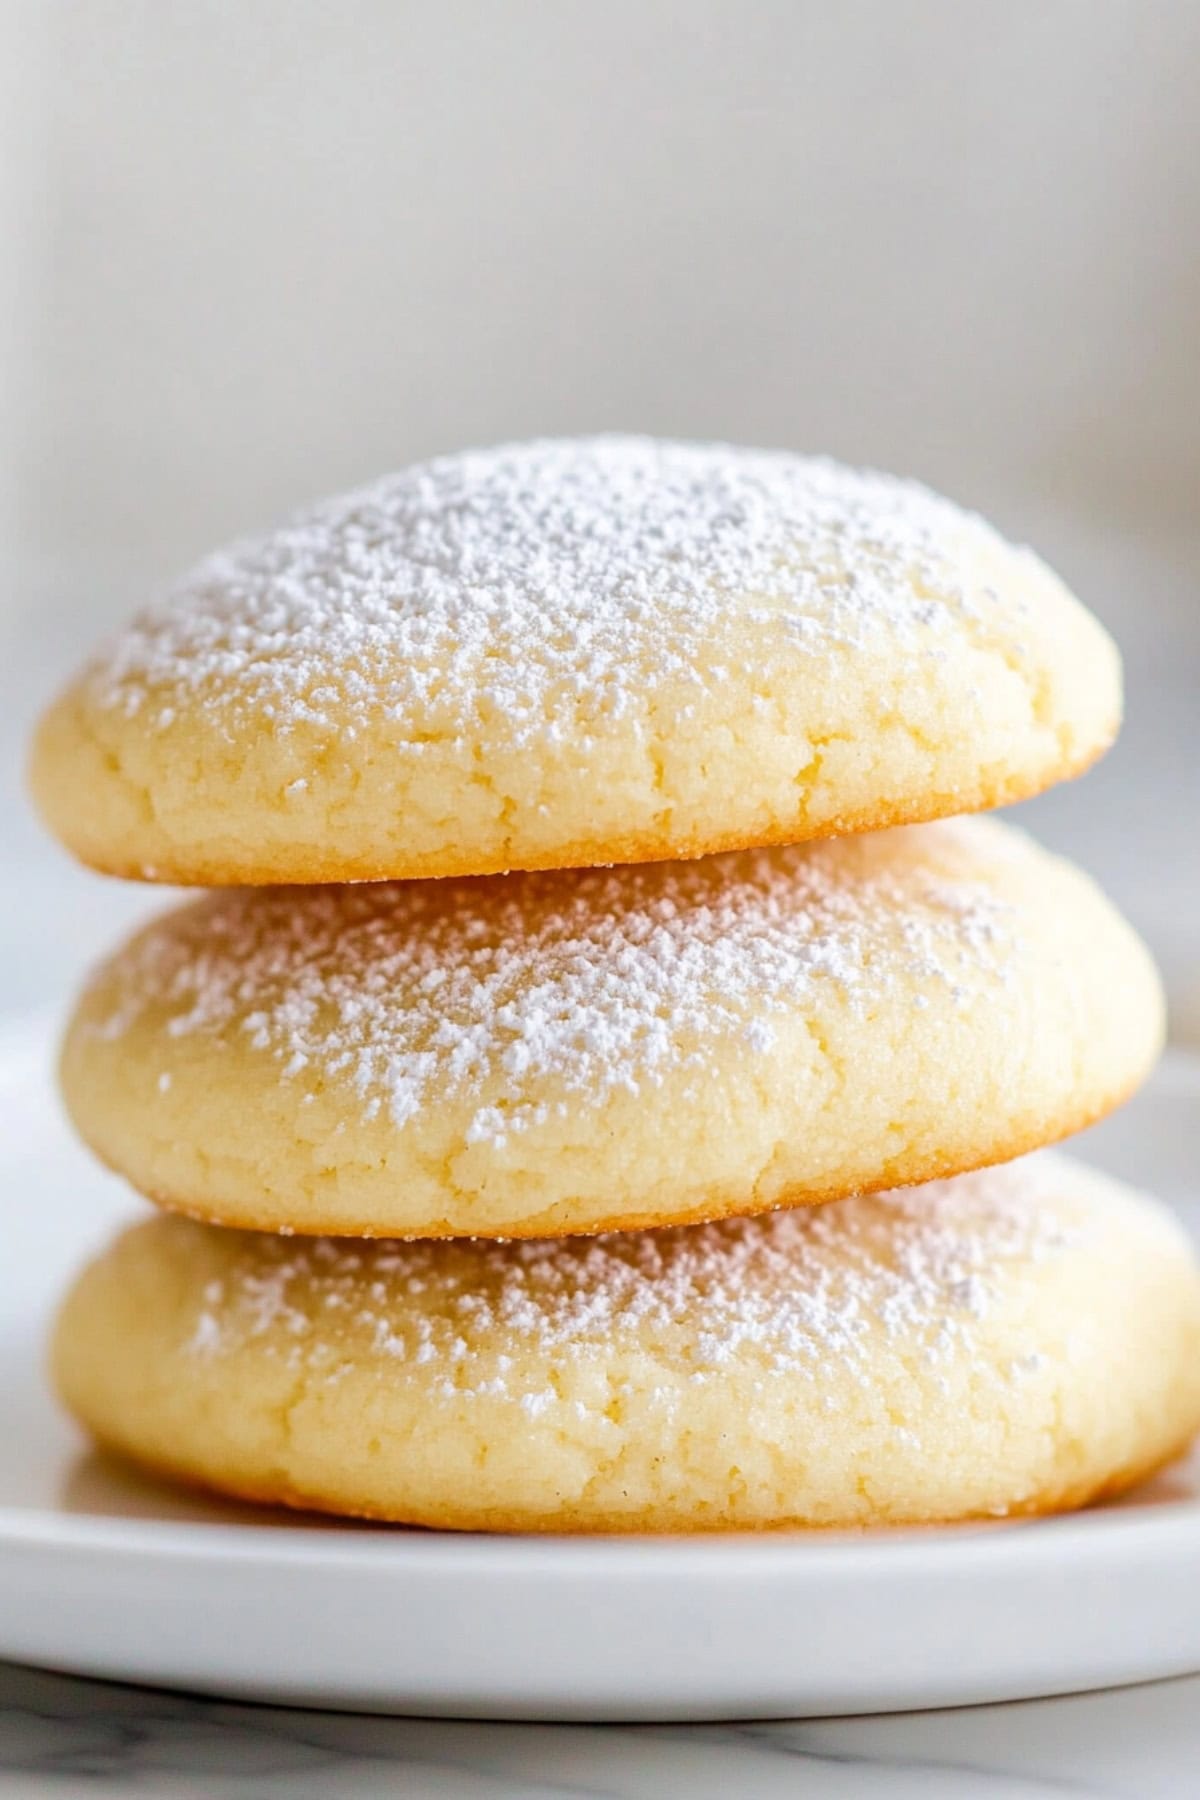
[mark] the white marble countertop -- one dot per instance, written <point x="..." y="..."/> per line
<point x="62" y="1737"/>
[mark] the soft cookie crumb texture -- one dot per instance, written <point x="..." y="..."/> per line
<point x="1011" y="1341"/>
<point x="575" y="1051"/>
<point x="571" y="652"/>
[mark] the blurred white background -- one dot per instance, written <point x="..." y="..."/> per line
<point x="252" y="252"/>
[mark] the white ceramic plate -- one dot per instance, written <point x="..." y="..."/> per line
<point x="102" y="1573"/>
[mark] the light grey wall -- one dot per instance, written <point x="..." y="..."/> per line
<point x="283" y="244"/>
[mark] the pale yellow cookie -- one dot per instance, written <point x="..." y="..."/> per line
<point x="1013" y="1341"/>
<point x="568" y="653"/>
<point x="644" y="1045"/>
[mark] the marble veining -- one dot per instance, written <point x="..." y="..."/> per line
<point x="64" y="1737"/>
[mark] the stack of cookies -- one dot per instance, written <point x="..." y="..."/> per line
<point x="535" y="1106"/>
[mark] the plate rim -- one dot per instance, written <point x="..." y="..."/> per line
<point x="892" y="1550"/>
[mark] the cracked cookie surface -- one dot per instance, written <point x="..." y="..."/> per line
<point x="579" y="1051"/>
<point x="1010" y="1342"/>
<point x="571" y="653"/>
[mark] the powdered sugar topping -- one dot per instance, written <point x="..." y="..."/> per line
<point x="791" y="1293"/>
<point x="527" y="992"/>
<point x="542" y="589"/>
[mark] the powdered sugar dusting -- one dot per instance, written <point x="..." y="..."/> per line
<point x="793" y="1293"/>
<point x="541" y="589"/>
<point x="515" y="993"/>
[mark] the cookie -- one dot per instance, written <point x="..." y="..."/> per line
<point x="646" y="1045"/>
<point x="1014" y="1341"/>
<point x="572" y="653"/>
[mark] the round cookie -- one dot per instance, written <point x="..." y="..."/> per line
<point x="569" y="653"/>
<point x="572" y="1052"/>
<point x="1014" y="1341"/>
